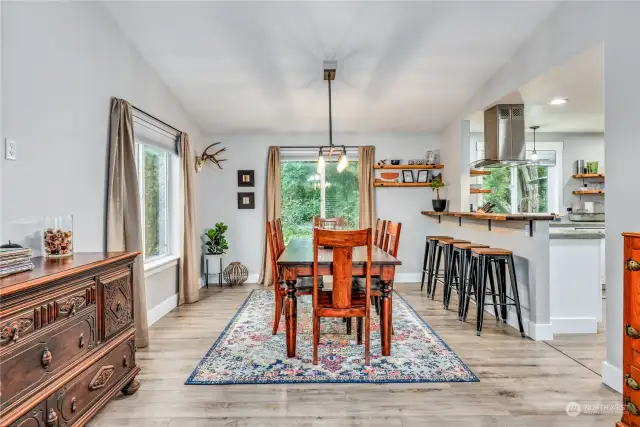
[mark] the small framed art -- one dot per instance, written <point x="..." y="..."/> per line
<point x="423" y="176"/>
<point x="246" y="178"/>
<point x="407" y="175"/>
<point x="246" y="201"/>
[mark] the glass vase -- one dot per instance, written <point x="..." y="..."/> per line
<point x="57" y="232"/>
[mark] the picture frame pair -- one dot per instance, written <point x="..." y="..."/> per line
<point x="407" y="176"/>
<point x="246" y="200"/>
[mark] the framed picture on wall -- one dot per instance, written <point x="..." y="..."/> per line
<point x="407" y="175"/>
<point x="246" y="178"/>
<point x="423" y="176"/>
<point x="246" y="201"/>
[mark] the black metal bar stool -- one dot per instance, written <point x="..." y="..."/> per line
<point x="482" y="261"/>
<point x="444" y="247"/>
<point x="460" y="256"/>
<point x="429" y="260"/>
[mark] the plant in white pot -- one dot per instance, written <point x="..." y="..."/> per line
<point x="217" y="246"/>
<point x="439" y="205"/>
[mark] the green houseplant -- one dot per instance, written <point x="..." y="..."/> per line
<point x="439" y="205"/>
<point x="216" y="244"/>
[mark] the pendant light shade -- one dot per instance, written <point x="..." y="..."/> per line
<point x="320" y="162"/>
<point x="343" y="162"/>
<point x="534" y="155"/>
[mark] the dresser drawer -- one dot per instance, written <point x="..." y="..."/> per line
<point x="39" y="358"/>
<point x="17" y="324"/>
<point x="36" y="417"/>
<point x="81" y="393"/>
<point x="117" y="302"/>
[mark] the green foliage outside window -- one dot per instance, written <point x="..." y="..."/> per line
<point x="531" y="187"/>
<point x="151" y="204"/>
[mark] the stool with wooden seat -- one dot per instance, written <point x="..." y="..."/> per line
<point x="444" y="246"/>
<point x="482" y="261"/>
<point x="342" y="301"/>
<point x="429" y="260"/>
<point x="460" y="256"/>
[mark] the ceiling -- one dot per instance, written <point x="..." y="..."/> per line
<point x="580" y="80"/>
<point x="257" y="66"/>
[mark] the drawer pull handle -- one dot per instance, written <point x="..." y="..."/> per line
<point x="633" y="384"/>
<point x="81" y="343"/>
<point x="125" y="362"/>
<point x="46" y="357"/>
<point x="632" y="265"/>
<point x="631" y="407"/>
<point x="73" y="405"/>
<point x="631" y="332"/>
<point x="52" y="418"/>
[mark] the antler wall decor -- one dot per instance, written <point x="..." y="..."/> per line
<point x="201" y="160"/>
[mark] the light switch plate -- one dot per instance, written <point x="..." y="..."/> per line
<point x="10" y="149"/>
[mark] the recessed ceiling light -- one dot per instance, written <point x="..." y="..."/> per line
<point x="558" y="101"/>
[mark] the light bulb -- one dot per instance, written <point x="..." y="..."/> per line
<point x="343" y="162"/>
<point x="534" y="156"/>
<point x="320" y="164"/>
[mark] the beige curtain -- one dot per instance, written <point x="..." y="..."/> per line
<point x="272" y="209"/>
<point x="366" y="159"/>
<point x="188" y="287"/>
<point x="124" y="225"/>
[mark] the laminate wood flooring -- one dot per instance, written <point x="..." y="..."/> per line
<point x="522" y="382"/>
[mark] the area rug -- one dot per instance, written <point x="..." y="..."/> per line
<point x="247" y="353"/>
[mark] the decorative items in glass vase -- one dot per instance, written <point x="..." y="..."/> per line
<point x="235" y="274"/>
<point x="57" y="233"/>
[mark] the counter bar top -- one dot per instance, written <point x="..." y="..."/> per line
<point x="493" y="216"/>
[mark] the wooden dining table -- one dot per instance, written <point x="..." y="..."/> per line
<point x="297" y="261"/>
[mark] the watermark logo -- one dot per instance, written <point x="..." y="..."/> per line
<point x="573" y="409"/>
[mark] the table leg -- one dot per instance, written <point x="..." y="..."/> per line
<point x="385" y="316"/>
<point x="291" y="315"/>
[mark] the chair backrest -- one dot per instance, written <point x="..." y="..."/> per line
<point x="342" y="243"/>
<point x="274" y="249"/>
<point x="280" y="235"/>
<point x="392" y="238"/>
<point x="378" y="239"/>
<point x="328" y="223"/>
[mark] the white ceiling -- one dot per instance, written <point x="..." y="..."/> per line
<point x="580" y="80"/>
<point x="257" y="66"/>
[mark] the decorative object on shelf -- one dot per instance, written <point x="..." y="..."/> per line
<point x="407" y="176"/>
<point x="216" y="244"/>
<point x="439" y="205"/>
<point x="57" y="235"/>
<point x="592" y="167"/>
<point x="395" y="162"/>
<point x="430" y="156"/>
<point x="235" y="273"/>
<point x="382" y="162"/>
<point x="417" y="162"/>
<point x="423" y="176"/>
<point x="246" y="178"/>
<point x="10" y="246"/>
<point x="246" y="201"/>
<point x="390" y="176"/>
<point x="202" y="159"/>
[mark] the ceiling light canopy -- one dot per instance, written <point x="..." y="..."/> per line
<point x="558" y="101"/>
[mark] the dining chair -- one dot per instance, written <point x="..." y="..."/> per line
<point x="378" y="239"/>
<point x="342" y="301"/>
<point x="304" y="285"/>
<point x="328" y="223"/>
<point x="280" y="234"/>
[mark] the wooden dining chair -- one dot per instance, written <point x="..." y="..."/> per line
<point x="304" y="285"/>
<point x="280" y="234"/>
<point x="342" y="301"/>
<point x="329" y="223"/>
<point x="378" y="239"/>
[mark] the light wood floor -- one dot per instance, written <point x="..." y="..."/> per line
<point x="522" y="382"/>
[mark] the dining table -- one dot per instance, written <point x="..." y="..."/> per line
<point x="297" y="261"/>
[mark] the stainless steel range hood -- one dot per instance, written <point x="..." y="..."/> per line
<point x="504" y="141"/>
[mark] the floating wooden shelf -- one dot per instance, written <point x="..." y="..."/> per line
<point x="588" y="192"/>
<point x="478" y="172"/>
<point x="588" y="175"/>
<point x="423" y="167"/>
<point x="379" y="183"/>
<point x="481" y="191"/>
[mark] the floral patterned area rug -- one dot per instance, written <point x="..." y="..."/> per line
<point x="247" y="353"/>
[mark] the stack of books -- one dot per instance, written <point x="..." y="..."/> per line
<point x="15" y="261"/>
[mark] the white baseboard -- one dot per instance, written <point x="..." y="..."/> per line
<point x="157" y="312"/>
<point x="540" y="331"/>
<point x="574" y="325"/>
<point x="612" y="376"/>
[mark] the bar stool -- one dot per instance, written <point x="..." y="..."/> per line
<point x="460" y="256"/>
<point x="429" y="259"/>
<point x="479" y="270"/>
<point x="445" y="246"/>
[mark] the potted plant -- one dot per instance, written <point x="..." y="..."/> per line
<point x="216" y="244"/>
<point x="439" y="205"/>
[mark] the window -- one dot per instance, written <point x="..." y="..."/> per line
<point x="307" y="193"/>
<point x="157" y="167"/>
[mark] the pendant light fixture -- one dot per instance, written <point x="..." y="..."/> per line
<point x="534" y="155"/>
<point x="343" y="161"/>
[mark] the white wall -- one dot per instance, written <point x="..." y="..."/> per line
<point x="217" y="200"/>
<point x="62" y="63"/>
<point x="571" y="29"/>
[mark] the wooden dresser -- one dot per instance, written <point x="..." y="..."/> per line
<point x="66" y="339"/>
<point x="631" y="340"/>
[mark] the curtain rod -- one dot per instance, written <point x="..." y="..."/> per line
<point x="317" y="147"/>
<point x="155" y="118"/>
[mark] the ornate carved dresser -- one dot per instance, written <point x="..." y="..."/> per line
<point x="631" y="337"/>
<point x="66" y="339"/>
